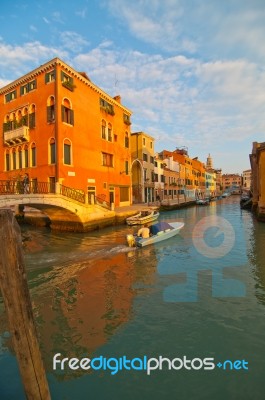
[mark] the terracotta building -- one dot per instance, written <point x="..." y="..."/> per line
<point x="60" y="127"/>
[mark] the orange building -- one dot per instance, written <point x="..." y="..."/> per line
<point x="191" y="172"/>
<point x="59" y="127"/>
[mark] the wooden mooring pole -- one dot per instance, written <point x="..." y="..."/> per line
<point x="15" y="292"/>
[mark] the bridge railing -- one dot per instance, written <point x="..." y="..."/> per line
<point x="77" y="195"/>
<point x="100" y="200"/>
<point x="17" y="187"/>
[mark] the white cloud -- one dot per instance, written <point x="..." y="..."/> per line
<point x="73" y="41"/>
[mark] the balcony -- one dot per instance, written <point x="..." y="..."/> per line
<point x="16" y="136"/>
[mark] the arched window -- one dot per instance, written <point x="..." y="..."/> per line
<point x="7" y="159"/>
<point x="67" y="112"/>
<point x="13" y="122"/>
<point x="67" y="152"/>
<point x="52" y="151"/>
<point x="103" y="129"/>
<point x="33" y="155"/>
<point x="109" y="133"/>
<point x="51" y="109"/>
<point x="20" y="157"/>
<point x="14" y="158"/>
<point x="19" y="118"/>
<point x="32" y="116"/>
<point x="26" y="156"/>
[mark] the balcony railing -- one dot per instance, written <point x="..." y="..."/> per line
<point x="18" y="135"/>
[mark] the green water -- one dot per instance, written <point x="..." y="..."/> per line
<point x="92" y="297"/>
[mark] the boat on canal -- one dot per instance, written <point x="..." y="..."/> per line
<point x="143" y="217"/>
<point x="158" y="232"/>
<point x="202" y="202"/>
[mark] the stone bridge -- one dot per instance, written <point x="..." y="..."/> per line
<point x="66" y="208"/>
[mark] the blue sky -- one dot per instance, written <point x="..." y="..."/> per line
<point x="192" y="71"/>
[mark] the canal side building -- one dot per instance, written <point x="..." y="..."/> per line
<point x="59" y="127"/>
<point x="142" y="167"/>
<point x="257" y="161"/>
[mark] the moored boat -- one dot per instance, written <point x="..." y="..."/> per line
<point x="158" y="232"/>
<point x="143" y="217"/>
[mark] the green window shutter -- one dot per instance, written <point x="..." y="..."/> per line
<point x="49" y="114"/>
<point x="72" y="117"/>
<point x="62" y="112"/>
<point x="32" y="120"/>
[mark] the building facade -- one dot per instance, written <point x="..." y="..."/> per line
<point x="257" y="161"/>
<point x="232" y="183"/>
<point x="59" y="127"/>
<point x="142" y="167"/>
<point x="246" y="180"/>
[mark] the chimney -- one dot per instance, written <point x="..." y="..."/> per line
<point x="117" y="98"/>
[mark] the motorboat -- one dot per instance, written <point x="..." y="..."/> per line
<point x="143" y="217"/>
<point x="202" y="202"/>
<point x="158" y="232"/>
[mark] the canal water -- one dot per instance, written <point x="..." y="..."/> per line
<point x="194" y="304"/>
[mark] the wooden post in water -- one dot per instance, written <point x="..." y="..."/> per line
<point x="15" y="292"/>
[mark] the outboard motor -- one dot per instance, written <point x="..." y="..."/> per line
<point x="130" y="240"/>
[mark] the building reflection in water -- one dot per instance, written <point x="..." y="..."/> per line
<point x="257" y="257"/>
<point x="80" y="306"/>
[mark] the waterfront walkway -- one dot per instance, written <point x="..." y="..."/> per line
<point x="169" y="204"/>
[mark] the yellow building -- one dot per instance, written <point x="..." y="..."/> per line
<point x="257" y="161"/>
<point x="142" y="168"/>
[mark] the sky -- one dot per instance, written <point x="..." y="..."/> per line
<point x="192" y="72"/>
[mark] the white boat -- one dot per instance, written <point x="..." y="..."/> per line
<point x="159" y="232"/>
<point x="143" y="217"/>
<point x="202" y="202"/>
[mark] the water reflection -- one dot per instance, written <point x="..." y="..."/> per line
<point x="85" y="303"/>
<point x="257" y="257"/>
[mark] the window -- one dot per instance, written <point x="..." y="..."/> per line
<point x="143" y="141"/>
<point x="103" y="129"/>
<point x="7" y="161"/>
<point x="14" y="159"/>
<point x="28" y="87"/>
<point x="50" y="113"/>
<point x="32" y="120"/>
<point x="10" y="96"/>
<point x="67" y="152"/>
<point x="26" y="156"/>
<point x="145" y="157"/>
<point x="107" y="159"/>
<point x="33" y="155"/>
<point x="107" y="107"/>
<point x="67" y="81"/>
<point x="52" y="151"/>
<point x="19" y="158"/>
<point x="151" y="145"/>
<point x="109" y="133"/>
<point x="126" y="119"/>
<point x="152" y="160"/>
<point x="67" y="115"/>
<point x="126" y="140"/>
<point x="126" y="167"/>
<point x="50" y="76"/>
